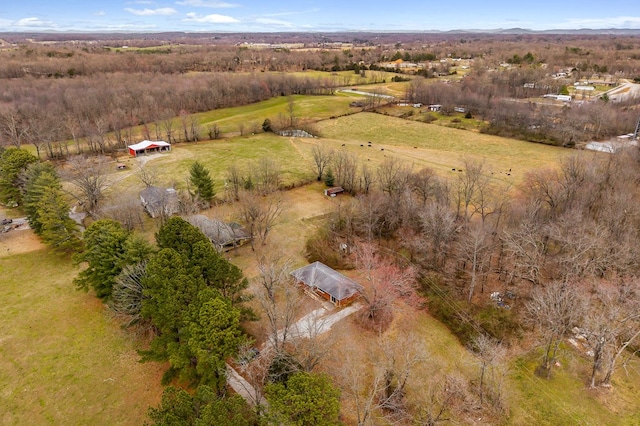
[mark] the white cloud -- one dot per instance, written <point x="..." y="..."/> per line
<point x="209" y="19"/>
<point x="206" y="3"/>
<point x="600" y="23"/>
<point x="164" y="11"/>
<point x="301" y="12"/>
<point x="34" y="23"/>
<point x="274" y="22"/>
<point x="100" y="13"/>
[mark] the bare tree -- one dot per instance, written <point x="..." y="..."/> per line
<point x="470" y="182"/>
<point x="260" y="213"/>
<point x="321" y="158"/>
<point x="612" y="325"/>
<point x="367" y="179"/>
<point x="90" y="178"/>
<point x="438" y="225"/>
<point x="267" y="173"/>
<point x="474" y="250"/>
<point x="233" y="182"/>
<point x="555" y="310"/>
<point x="279" y="298"/>
<point x="489" y="354"/>
<point x="127" y="210"/>
<point x="345" y="168"/>
<point x="380" y="391"/>
<point x="147" y="174"/>
<point x="386" y="280"/>
<point x="423" y="183"/>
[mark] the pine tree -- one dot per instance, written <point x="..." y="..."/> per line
<point x="108" y="248"/>
<point x="57" y="228"/>
<point x="41" y="178"/>
<point x="13" y="162"/>
<point x="200" y="178"/>
<point x="329" y="179"/>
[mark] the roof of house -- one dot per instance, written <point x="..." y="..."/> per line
<point x="218" y="232"/>
<point x="148" y="144"/>
<point x="330" y="281"/>
<point x="155" y="199"/>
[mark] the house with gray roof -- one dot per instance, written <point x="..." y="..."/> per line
<point x="224" y="236"/>
<point x="160" y="201"/>
<point x="328" y="283"/>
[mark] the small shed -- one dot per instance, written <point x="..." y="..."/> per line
<point x="328" y="283"/>
<point x="145" y="147"/>
<point x="332" y="192"/>
<point x="157" y="201"/>
<point x="435" y="107"/>
<point x="224" y="236"/>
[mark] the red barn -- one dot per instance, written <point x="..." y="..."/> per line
<point x="148" y="146"/>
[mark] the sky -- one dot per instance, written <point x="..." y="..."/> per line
<point x="311" y="15"/>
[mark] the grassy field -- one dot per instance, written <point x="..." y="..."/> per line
<point x="62" y="360"/>
<point x="440" y="147"/>
<point x="565" y="399"/>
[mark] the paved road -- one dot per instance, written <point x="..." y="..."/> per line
<point x="360" y="92"/>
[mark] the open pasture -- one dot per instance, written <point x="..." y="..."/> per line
<point x="62" y="359"/>
<point x="439" y="147"/>
<point x="309" y="108"/>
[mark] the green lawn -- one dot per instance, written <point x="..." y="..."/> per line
<point x="218" y="155"/>
<point x="565" y="398"/>
<point x="62" y="360"/>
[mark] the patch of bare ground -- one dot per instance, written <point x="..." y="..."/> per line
<point x="19" y="241"/>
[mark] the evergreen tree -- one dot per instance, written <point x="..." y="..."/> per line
<point x="329" y="179"/>
<point x="306" y="399"/>
<point x="203" y="408"/>
<point x="187" y="296"/>
<point x="214" y="335"/>
<point x="180" y="235"/>
<point x="57" y="229"/>
<point x="201" y="180"/>
<point x="108" y="248"/>
<point x="13" y="162"/>
<point x="40" y="179"/>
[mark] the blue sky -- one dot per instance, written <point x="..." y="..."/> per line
<point x="311" y="15"/>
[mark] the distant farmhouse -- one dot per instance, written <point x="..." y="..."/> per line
<point x="224" y="236"/>
<point x="146" y="147"/>
<point x="159" y="201"/>
<point x="328" y="283"/>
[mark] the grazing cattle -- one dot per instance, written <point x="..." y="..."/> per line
<point x="381" y="149"/>
<point x="453" y="170"/>
<point x="361" y="145"/>
<point x="343" y="144"/>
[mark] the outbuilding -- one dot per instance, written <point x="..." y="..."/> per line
<point x="332" y="192"/>
<point x="146" y="147"/>
<point x="328" y="283"/>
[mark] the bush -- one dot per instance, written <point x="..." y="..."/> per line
<point x="320" y="248"/>
<point x="429" y="118"/>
